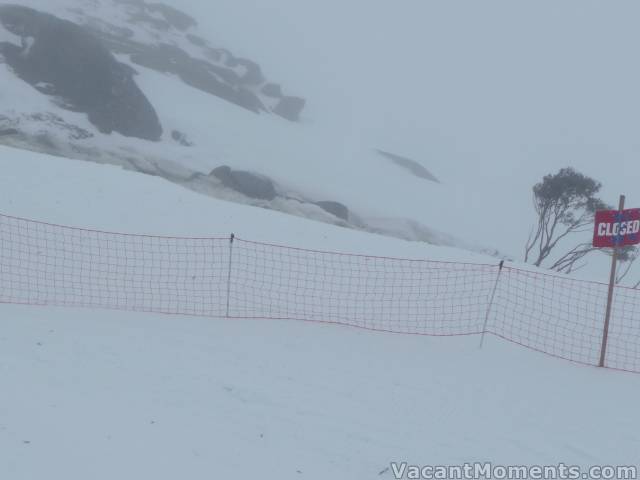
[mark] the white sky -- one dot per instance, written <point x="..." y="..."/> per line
<point x="530" y="86"/>
<point x="498" y="91"/>
<point x="489" y="96"/>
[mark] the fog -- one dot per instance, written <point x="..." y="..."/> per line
<point x="507" y="85"/>
<point x="498" y="92"/>
<point x="488" y="96"/>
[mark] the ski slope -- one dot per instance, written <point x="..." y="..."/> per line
<point x="476" y="92"/>
<point x="474" y="95"/>
<point x="103" y="395"/>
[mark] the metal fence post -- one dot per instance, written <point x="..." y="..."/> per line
<point x="493" y="295"/>
<point x="231" y="239"/>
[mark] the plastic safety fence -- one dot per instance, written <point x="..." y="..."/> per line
<point x="388" y="294"/>
<point x="554" y="314"/>
<point x="45" y="264"/>
<point x="42" y="264"/>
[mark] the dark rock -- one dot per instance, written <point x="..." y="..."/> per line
<point x="196" y="176"/>
<point x="92" y="81"/>
<point x="226" y="74"/>
<point x="229" y="59"/>
<point x="81" y="71"/>
<point x="254" y="72"/>
<point x="181" y="138"/>
<point x="73" y="131"/>
<point x="234" y="79"/>
<point x="176" y="18"/>
<point x="249" y="100"/>
<point x="109" y="29"/>
<point x="411" y="165"/>
<point x="272" y="90"/>
<point x="45" y="88"/>
<point x="13" y="126"/>
<point x="290" y="108"/>
<point x="141" y="11"/>
<point x="142" y="17"/>
<point x="45" y="141"/>
<point x="197" y="41"/>
<point x="213" y="79"/>
<point x="250" y="184"/>
<point x="253" y="76"/>
<point x="335" y="208"/>
<point x="213" y="54"/>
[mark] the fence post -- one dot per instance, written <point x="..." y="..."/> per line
<point x="231" y="239"/>
<point x="612" y="282"/>
<point x="493" y="295"/>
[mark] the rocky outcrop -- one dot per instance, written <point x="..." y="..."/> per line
<point x="290" y="108"/>
<point x="272" y="90"/>
<point x="181" y="138"/>
<point x="5" y="132"/>
<point x="216" y="80"/>
<point x="249" y="184"/>
<point x="37" y="123"/>
<point x="76" y="67"/>
<point x="215" y="71"/>
<point x="176" y="50"/>
<point x="335" y="208"/>
<point x="411" y="165"/>
<point x="173" y="16"/>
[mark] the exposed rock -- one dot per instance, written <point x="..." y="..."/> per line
<point x="196" y="40"/>
<point x="90" y="80"/>
<point x="4" y="132"/>
<point x="250" y="184"/>
<point x="37" y="122"/>
<point x="253" y="75"/>
<point x="213" y="79"/>
<point x="99" y="25"/>
<point x="411" y="165"/>
<point x="157" y="23"/>
<point x="215" y="71"/>
<point x="290" y="108"/>
<point x="73" y="131"/>
<point x="181" y="138"/>
<point x="335" y="208"/>
<point x="272" y="90"/>
<point x="176" y="18"/>
<point x="46" y="142"/>
<point x="141" y="11"/>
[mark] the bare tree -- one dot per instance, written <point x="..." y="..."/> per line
<point x="568" y="263"/>
<point x="627" y="256"/>
<point x="565" y="204"/>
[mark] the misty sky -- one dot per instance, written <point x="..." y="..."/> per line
<point x="535" y="85"/>
<point x="501" y="92"/>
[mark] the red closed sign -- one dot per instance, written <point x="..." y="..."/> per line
<point x="615" y="228"/>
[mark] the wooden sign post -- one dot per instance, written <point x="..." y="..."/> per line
<point x="614" y="229"/>
<point x="612" y="282"/>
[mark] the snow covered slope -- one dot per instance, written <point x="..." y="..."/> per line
<point x="102" y="395"/>
<point x="202" y="125"/>
<point x="111" y="395"/>
<point x="473" y="96"/>
<point x="71" y="192"/>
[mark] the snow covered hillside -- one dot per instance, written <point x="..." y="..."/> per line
<point x="193" y="113"/>
<point x="102" y="395"/>
<point x="70" y="192"/>
<point x="426" y="122"/>
<point x="472" y="97"/>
